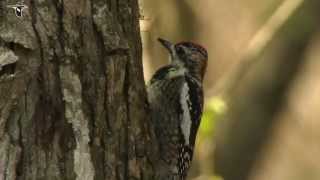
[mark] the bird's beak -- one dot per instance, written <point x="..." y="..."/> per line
<point x="167" y="44"/>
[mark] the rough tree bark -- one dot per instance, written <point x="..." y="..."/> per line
<point x="72" y="94"/>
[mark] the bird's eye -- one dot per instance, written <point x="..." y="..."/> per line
<point x="180" y="50"/>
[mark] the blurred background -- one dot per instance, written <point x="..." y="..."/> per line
<point x="274" y="101"/>
<point x="224" y="28"/>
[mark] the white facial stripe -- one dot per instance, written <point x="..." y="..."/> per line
<point x="176" y="73"/>
<point x="186" y="119"/>
<point x="174" y="58"/>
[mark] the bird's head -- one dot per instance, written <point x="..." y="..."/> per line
<point x="189" y="56"/>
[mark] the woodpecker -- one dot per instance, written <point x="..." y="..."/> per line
<point x="175" y="96"/>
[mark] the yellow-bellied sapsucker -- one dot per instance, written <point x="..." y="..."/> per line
<point x="176" y="100"/>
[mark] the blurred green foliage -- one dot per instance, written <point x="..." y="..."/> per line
<point x="215" y="107"/>
<point x="216" y="178"/>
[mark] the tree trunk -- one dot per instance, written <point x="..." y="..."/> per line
<point x="72" y="94"/>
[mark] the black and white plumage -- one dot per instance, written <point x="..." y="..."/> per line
<point x="176" y="99"/>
